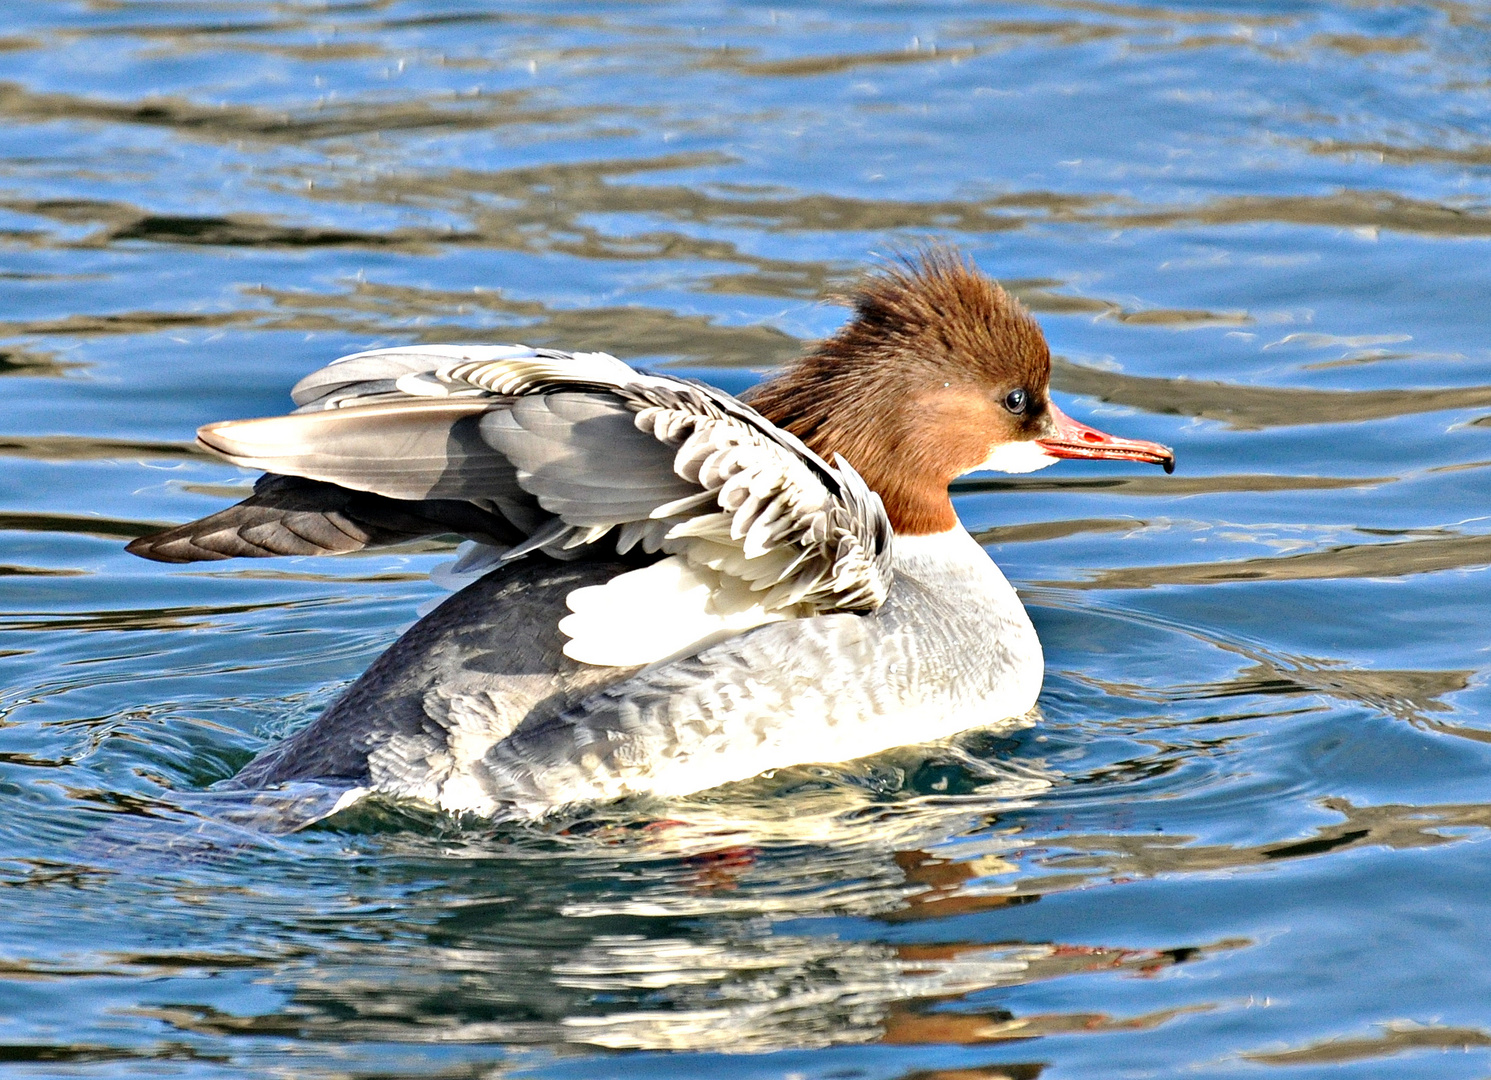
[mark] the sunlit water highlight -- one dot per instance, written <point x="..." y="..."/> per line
<point x="1247" y="834"/>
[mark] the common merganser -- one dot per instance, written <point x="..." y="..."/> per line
<point x="684" y="589"/>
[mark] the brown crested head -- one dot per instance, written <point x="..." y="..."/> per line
<point x="939" y="372"/>
<point x="938" y="366"/>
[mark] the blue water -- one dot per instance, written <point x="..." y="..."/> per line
<point x="1248" y="837"/>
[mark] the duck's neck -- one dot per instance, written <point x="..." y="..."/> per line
<point x="914" y="508"/>
<point x="907" y="446"/>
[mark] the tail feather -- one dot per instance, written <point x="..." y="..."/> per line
<point x="289" y="515"/>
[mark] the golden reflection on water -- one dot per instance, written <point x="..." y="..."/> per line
<point x="1250" y="408"/>
<point x="748" y="985"/>
<point x="620" y="976"/>
<point x="1425" y="555"/>
<point x="1393" y="1039"/>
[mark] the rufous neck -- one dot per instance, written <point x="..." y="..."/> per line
<point x="915" y="505"/>
<point x="898" y="446"/>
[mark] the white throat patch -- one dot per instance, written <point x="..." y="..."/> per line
<point x="1015" y="457"/>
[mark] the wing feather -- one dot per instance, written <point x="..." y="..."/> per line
<point x="420" y="448"/>
<point x="597" y="442"/>
<point x="573" y="450"/>
<point x="289" y="515"/>
<point x="380" y="371"/>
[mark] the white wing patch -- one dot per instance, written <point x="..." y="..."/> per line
<point x="666" y="610"/>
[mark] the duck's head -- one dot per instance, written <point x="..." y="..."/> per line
<point x="939" y="373"/>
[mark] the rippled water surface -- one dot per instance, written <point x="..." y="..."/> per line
<point x="1247" y="837"/>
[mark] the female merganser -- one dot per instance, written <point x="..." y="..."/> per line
<point x="685" y="590"/>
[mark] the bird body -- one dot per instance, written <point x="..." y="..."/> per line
<point x="681" y="589"/>
<point x="478" y="709"/>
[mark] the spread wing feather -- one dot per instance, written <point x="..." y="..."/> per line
<point x="570" y="449"/>
<point x="415" y="448"/>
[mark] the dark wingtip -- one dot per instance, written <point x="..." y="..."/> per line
<point x="145" y="547"/>
<point x="171" y="546"/>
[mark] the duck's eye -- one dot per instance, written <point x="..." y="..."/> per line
<point x="1014" y="401"/>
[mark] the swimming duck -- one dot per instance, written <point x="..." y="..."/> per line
<point x="674" y="588"/>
